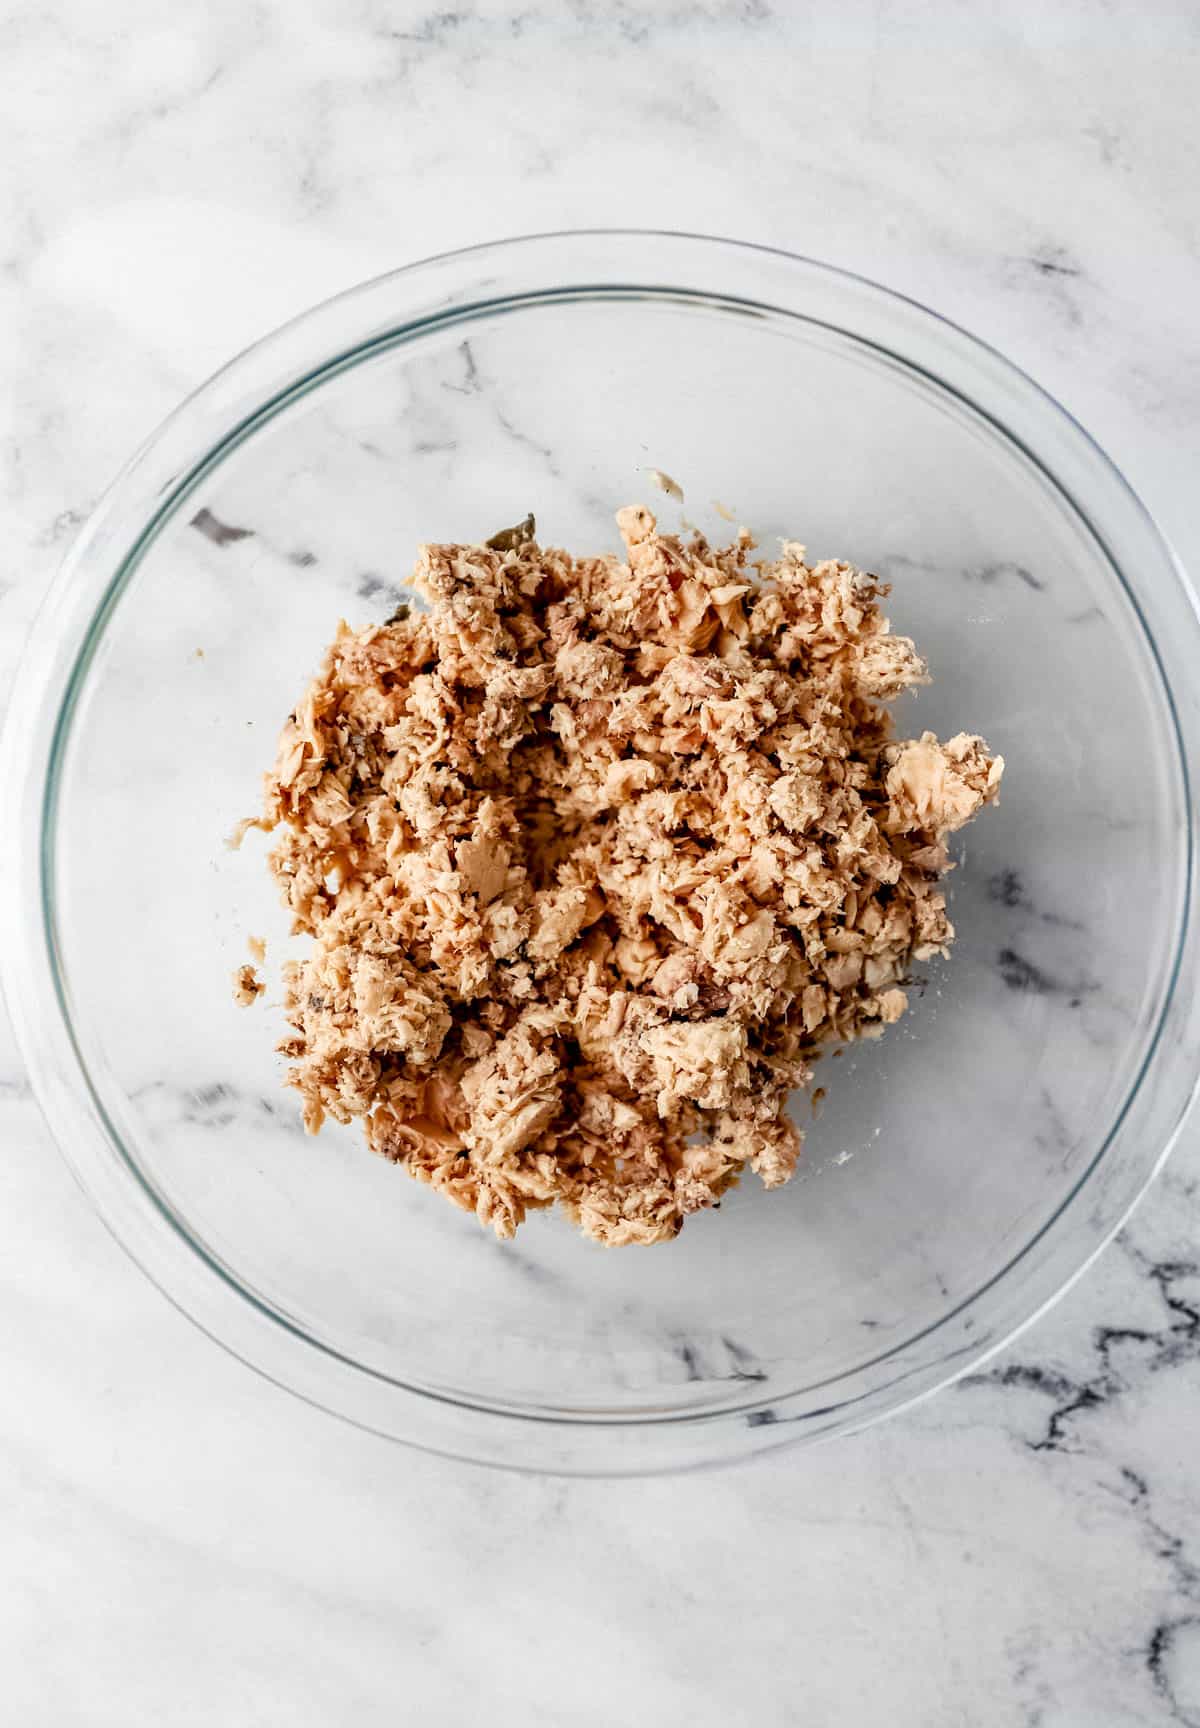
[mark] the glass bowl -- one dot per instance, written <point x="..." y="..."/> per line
<point x="964" y="1169"/>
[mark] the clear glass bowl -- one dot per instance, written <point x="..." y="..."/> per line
<point x="965" y="1168"/>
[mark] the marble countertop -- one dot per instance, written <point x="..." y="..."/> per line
<point x="183" y="1542"/>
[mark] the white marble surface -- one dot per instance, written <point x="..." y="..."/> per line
<point x="182" y="1542"/>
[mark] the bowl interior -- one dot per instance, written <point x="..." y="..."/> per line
<point x="941" y="1151"/>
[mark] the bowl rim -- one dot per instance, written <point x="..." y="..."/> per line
<point x="207" y="426"/>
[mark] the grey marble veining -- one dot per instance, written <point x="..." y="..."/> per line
<point x="184" y="1543"/>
